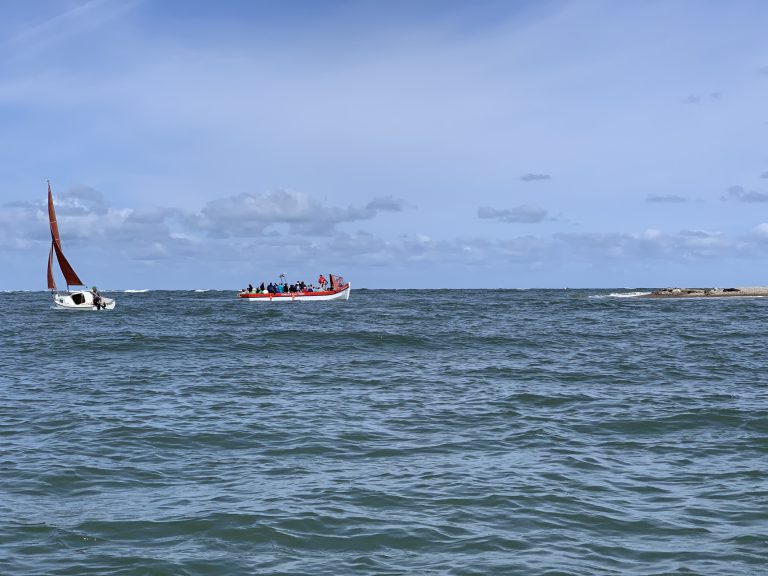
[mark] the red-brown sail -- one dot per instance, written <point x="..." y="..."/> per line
<point x="69" y="274"/>
<point x="52" y="218"/>
<point x="51" y="281"/>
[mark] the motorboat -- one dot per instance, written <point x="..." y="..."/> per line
<point x="339" y="289"/>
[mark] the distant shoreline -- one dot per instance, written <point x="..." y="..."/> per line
<point x="748" y="291"/>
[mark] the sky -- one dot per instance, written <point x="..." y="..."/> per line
<point x="401" y="144"/>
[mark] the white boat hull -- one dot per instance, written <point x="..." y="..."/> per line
<point x="80" y="300"/>
<point x="299" y="296"/>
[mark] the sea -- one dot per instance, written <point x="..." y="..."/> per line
<point x="458" y="432"/>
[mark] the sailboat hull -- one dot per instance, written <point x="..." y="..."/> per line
<point x="80" y="300"/>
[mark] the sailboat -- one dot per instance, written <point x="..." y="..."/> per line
<point x="78" y="299"/>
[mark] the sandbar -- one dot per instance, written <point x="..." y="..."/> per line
<point x="745" y="291"/>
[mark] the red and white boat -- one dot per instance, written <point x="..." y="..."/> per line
<point x="339" y="290"/>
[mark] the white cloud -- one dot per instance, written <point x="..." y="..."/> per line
<point x="531" y="177"/>
<point x="253" y="214"/>
<point x="761" y="231"/>
<point x="81" y="200"/>
<point x="698" y="98"/>
<point x="386" y="204"/>
<point x="516" y="215"/>
<point x="665" y="199"/>
<point x="740" y="194"/>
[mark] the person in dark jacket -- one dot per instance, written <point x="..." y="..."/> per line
<point x="97" y="301"/>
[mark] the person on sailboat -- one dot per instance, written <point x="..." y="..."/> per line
<point x="97" y="299"/>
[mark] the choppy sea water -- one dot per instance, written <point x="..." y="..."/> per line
<point x="401" y="432"/>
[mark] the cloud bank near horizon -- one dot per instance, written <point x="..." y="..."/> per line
<point x="290" y="229"/>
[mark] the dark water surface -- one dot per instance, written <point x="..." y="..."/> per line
<point x="401" y="432"/>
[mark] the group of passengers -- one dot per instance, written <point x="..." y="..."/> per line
<point x="283" y="287"/>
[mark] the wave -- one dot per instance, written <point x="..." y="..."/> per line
<point x="620" y="295"/>
<point x="203" y="290"/>
<point x="136" y="291"/>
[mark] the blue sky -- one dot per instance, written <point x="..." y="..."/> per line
<point x="401" y="144"/>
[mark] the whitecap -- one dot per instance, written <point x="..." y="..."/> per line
<point x="621" y="295"/>
<point x="136" y="291"/>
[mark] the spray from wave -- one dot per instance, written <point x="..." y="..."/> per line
<point x="620" y="295"/>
